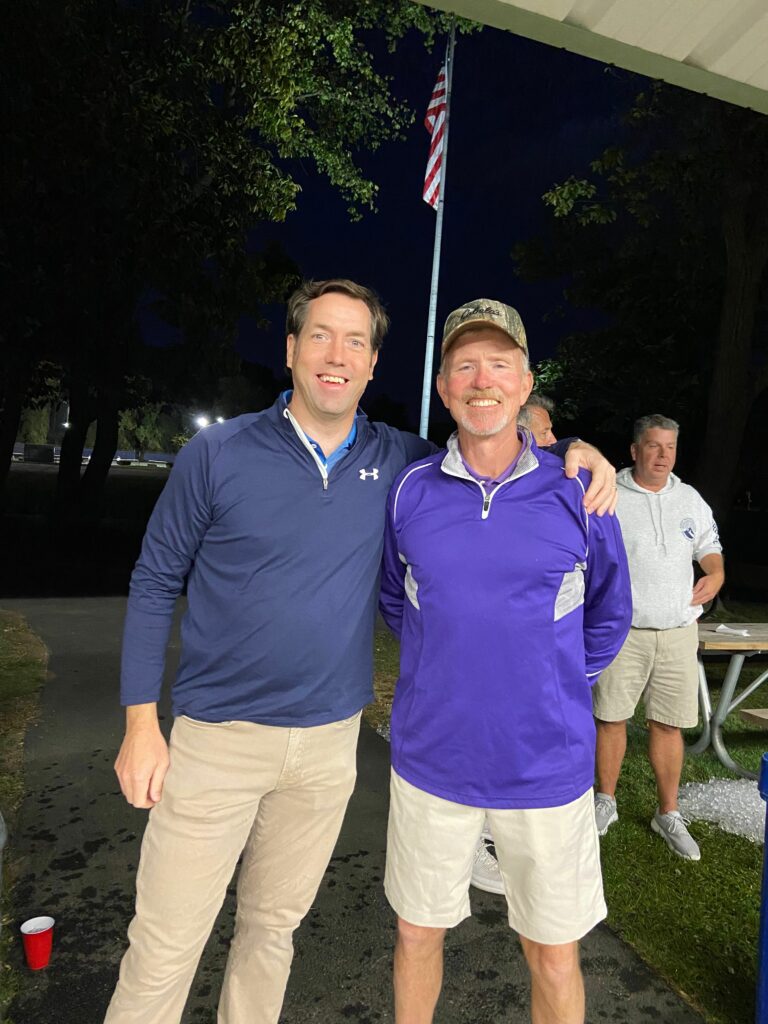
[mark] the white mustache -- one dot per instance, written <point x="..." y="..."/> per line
<point x="468" y="396"/>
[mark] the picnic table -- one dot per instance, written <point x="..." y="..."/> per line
<point x="740" y="648"/>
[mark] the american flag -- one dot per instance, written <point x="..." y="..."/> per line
<point x="434" y="122"/>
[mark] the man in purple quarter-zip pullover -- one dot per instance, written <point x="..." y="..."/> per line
<point x="508" y="599"/>
<point x="275" y="519"/>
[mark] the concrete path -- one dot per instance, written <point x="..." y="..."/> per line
<point x="79" y="844"/>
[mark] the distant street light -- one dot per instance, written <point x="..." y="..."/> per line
<point x="219" y="419"/>
<point x="201" y="421"/>
<point x="66" y="425"/>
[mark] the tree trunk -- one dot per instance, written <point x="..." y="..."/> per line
<point x="104" y="448"/>
<point x="730" y="395"/>
<point x="71" y="459"/>
<point x="11" y="401"/>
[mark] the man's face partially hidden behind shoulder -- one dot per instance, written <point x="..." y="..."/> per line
<point x="541" y="427"/>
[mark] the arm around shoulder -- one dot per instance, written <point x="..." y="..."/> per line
<point x="417" y="447"/>
<point x="601" y="494"/>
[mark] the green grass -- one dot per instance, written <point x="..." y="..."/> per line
<point x="51" y="557"/>
<point x="23" y="660"/>
<point x="386" y="667"/>
<point x="696" y="924"/>
<point x="129" y="493"/>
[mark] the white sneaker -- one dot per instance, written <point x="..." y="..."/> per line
<point x="605" y="812"/>
<point x="485" y="869"/>
<point x="671" y="828"/>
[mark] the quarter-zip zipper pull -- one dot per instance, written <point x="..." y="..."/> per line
<point x="325" y="483"/>
<point x="486" y="504"/>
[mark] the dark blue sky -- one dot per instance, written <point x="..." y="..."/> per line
<point x="524" y="116"/>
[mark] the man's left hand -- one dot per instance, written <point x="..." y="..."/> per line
<point x="707" y="588"/>
<point x="601" y="494"/>
<point x="712" y="580"/>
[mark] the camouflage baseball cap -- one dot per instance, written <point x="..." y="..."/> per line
<point x="484" y="313"/>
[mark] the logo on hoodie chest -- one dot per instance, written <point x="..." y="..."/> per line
<point x="688" y="528"/>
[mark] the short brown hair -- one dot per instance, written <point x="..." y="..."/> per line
<point x="309" y="290"/>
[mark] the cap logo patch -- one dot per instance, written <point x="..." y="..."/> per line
<point x="473" y="312"/>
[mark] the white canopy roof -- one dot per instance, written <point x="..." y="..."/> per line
<point x="715" y="47"/>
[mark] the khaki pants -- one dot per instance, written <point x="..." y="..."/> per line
<point x="277" y="795"/>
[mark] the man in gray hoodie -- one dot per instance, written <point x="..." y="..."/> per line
<point x="667" y="526"/>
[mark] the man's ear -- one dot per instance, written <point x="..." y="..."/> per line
<point x="527" y="387"/>
<point x="290" y="350"/>
<point x="633" y="451"/>
<point x="374" y="360"/>
<point x="442" y="390"/>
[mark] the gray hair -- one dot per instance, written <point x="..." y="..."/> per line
<point x="649" y="422"/>
<point x="535" y="401"/>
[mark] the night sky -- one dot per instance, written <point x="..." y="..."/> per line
<point x="524" y="116"/>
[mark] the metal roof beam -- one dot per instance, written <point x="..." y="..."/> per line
<point x="506" y="16"/>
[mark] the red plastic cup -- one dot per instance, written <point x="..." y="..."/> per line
<point x="37" y="936"/>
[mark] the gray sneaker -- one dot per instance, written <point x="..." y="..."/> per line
<point x="485" y="869"/>
<point x="605" y="812"/>
<point x="671" y="828"/>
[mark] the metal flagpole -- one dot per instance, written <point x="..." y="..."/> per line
<point x="426" y="389"/>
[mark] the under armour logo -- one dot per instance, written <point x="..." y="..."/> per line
<point x="373" y="473"/>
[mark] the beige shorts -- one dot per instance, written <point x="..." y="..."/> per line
<point x="658" y="665"/>
<point x="549" y="859"/>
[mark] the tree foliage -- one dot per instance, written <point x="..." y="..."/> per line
<point x="666" y="241"/>
<point x="141" y="429"/>
<point x="146" y="139"/>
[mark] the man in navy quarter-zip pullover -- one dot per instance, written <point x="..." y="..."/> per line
<point x="275" y="519"/>
<point x="509" y="599"/>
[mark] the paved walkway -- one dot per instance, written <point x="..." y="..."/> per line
<point x="79" y="843"/>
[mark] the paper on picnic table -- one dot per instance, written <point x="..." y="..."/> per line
<point x="722" y="628"/>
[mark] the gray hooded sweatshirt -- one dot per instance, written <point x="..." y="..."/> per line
<point x="664" y="532"/>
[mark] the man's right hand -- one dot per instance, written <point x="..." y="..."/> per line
<point x="143" y="759"/>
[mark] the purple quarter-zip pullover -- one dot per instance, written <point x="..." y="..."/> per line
<point x="508" y="602"/>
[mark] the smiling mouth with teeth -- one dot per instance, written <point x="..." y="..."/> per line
<point x="482" y="402"/>
<point x="326" y="378"/>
